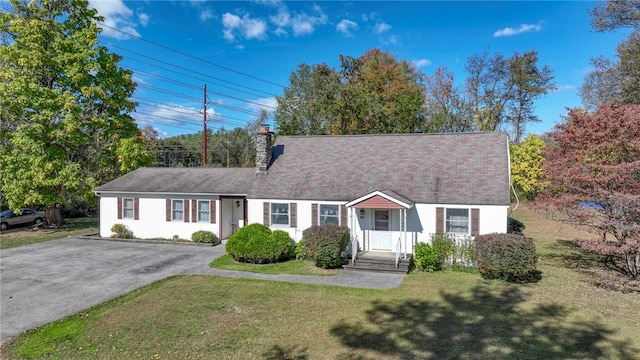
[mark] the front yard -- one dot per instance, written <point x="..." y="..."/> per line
<point x="25" y="235"/>
<point x="442" y="315"/>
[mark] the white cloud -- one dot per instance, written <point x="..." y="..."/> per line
<point x="206" y="14"/>
<point x="249" y="28"/>
<point x="172" y="114"/>
<point x="422" y="62"/>
<point x="117" y="19"/>
<point x="304" y="24"/>
<point x="347" y="27"/>
<point x="381" y="27"/>
<point x="144" y="19"/>
<point x="269" y="104"/>
<point x="524" y="28"/>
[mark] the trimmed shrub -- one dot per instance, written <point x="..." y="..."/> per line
<point x="256" y="244"/>
<point x="426" y="257"/>
<point x="121" y="231"/>
<point x="204" y="236"/>
<point x="508" y="257"/>
<point x="325" y="244"/>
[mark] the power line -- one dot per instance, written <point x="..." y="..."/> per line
<point x="194" y="57"/>
<point x="189" y="70"/>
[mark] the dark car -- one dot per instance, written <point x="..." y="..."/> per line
<point x="28" y="216"/>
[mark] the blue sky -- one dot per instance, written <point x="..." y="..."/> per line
<point x="245" y="51"/>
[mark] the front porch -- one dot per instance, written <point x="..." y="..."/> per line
<point x="383" y="261"/>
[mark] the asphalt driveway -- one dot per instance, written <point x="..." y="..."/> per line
<point x="45" y="282"/>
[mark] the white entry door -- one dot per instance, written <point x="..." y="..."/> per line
<point x="381" y="237"/>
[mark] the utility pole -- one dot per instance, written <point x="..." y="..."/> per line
<point x="204" y="133"/>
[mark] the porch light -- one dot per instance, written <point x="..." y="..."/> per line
<point x="361" y="212"/>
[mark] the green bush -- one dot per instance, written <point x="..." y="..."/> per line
<point x="444" y="246"/>
<point x="325" y="244"/>
<point x="508" y="257"/>
<point x="300" y="251"/>
<point x="426" y="257"/>
<point x="121" y="231"/>
<point x="257" y="244"/>
<point x="204" y="236"/>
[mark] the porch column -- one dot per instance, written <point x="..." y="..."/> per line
<point x="404" y="225"/>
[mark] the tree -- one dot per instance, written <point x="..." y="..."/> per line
<point x="594" y="174"/>
<point x="615" y="81"/>
<point x="445" y="109"/>
<point x="527" y="173"/>
<point x="308" y="105"/>
<point x="502" y="90"/>
<point x="64" y="105"/>
<point x="611" y="15"/>
<point x="373" y="93"/>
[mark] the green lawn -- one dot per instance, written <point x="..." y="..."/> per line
<point x="296" y="267"/>
<point x="25" y="236"/>
<point x="444" y="315"/>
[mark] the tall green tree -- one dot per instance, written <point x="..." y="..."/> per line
<point x="372" y="93"/>
<point x="64" y="106"/>
<point x="527" y="160"/>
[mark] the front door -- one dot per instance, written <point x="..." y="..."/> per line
<point x="381" y="237"/>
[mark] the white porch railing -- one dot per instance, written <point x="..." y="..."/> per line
<point x="354" y="249"/>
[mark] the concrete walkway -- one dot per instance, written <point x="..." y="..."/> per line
<point x="44" y="282"/>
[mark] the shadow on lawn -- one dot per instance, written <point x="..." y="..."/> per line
<point x="488" y="324"/>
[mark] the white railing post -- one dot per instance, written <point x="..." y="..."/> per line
<point x="354" y="249"/>
<point x="397" y="251"/>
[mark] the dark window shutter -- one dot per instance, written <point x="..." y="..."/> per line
<point x="168" y="209"/>
<point x="194" y="210"/>
<point x="119" y="208"/>
<point x="293" y="214"/>
<point x="439" y="220"/>
<point x="266" y="213"/>
<point x="185" y="210"/>
<point x="136" y="209"/>
<point x="343" y="215"/>
<point x="475" y="222"/>
<point x="212" y="215"/>
<point x="314" y="214"/>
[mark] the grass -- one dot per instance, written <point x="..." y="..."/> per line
<point x="296" y="267"/>
<point x="72" y="227"/>
<point x="442" y="315"/>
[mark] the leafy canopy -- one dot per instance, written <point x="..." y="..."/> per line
<point x="593" y="169"/>
<point x="64" y="105"/>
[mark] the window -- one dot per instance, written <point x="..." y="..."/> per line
<point x="177" y="210"/>
<point x="279" y="214"/>
<point x="457" y="221"/>
<point x="203" y="211"/>
<point x="381" y="220"/>
<point x="127" y="208"/>
<point x="329" y="214"/>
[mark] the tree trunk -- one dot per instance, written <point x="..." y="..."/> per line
<point x="53" y="213"/>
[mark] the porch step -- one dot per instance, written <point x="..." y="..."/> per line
<point x="382" y="264"/>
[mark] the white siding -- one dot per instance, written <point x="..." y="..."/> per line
<point x="152" y="222"/>
<point x="421" y="220"/>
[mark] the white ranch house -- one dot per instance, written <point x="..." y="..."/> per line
<point x="390" y="190"/>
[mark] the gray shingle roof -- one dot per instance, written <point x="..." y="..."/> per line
<point x="461" y="168"/>
<point x="226" y="181"/>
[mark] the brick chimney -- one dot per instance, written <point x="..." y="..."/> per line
<point x="263" y="149"/>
